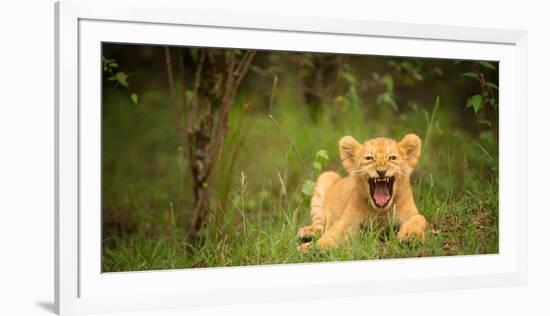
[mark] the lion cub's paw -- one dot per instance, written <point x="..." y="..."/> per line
<point x="306" y="233"/>
<point x="325" y="242"/>
<point x="304" y="248"/>
<point x="414" y="227"/>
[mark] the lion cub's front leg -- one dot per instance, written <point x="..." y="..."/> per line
<point x="337" y="233"/>
<point x="413" y="226"/>
<point x="307" y="233"/>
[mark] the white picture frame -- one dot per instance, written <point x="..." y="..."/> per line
<point x="80" y="28"/>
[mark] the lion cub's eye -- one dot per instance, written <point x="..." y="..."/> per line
<point x="369" y="157"/>
<point x="392" y="158"/>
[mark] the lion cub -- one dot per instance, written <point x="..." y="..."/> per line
<point x="378" y="185"/>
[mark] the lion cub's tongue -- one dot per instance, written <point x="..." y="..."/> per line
<point x="381" y="193"/>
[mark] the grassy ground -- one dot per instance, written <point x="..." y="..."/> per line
<point x="257" y="204"/>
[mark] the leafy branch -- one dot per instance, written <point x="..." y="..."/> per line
<point x="484" y="103"/>
<point x="111" y="68"/>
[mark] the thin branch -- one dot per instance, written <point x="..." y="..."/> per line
<point x="273" y="89"/>
<point x="172" y="87"/>
<point x="196" y="88"/>
<point x="230" y="79"/>
<point x="235" y="74"/>
<point x="221" y="124"/>
<point x="185" y="107"/>
<point x="242" y="69"/>
<point x="259" y="71"/>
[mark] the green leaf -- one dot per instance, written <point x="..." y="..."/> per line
<point x="484" y="122"/>
<point x="475" y="102"/>
<point x="491" y="85"/>
<point x="388" y="80"/>
<point x="308" y="63"/>
<point x="487" y="65"/>
<point x="108" y="64"/>
<point x="307" y="188"/>
<point x="121" y="78"/>
<point x="469" y="74"/>
<point x="194" y="53"/>
<point x="134" y="98"/>
<point x="348" y="77"/>
<point x="387" y="99"/>
<point x="321" y="155"/>
<point x="438" y="71"/>
<point x="317" y="166"/>
<point x="189" y="95"/>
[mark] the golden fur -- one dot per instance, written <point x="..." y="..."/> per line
<point x="340" y="206"/>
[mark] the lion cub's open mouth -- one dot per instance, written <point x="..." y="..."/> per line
<point x="381" y="190"/>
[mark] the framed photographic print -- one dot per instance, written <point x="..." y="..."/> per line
<point x="209" y="157"/>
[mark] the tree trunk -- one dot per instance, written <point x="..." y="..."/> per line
<point x="217" y="77"/>
<point x="200" y="164"/>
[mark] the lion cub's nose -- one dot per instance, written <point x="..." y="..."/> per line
<point x="381" y="173"/>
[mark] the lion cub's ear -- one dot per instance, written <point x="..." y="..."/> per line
<point x="348" y="151"/>
<point x="410" y="147"/>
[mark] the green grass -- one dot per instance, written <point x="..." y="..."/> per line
<point x="257" y="206"/>
<point x="459" y="225"/>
